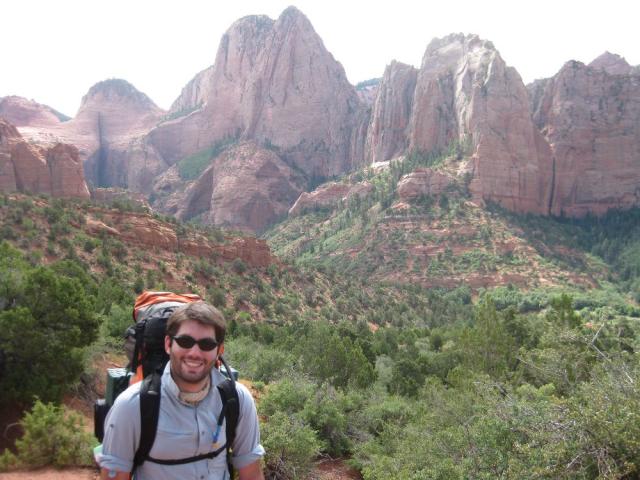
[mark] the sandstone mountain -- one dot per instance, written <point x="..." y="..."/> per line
<point x="275" y="116"/>
<point x="590" y="116"/>
<point x="464" y="93"/>
<point x="273" y="82"/>
<point x="387" y="133"/>
<point x="28" y="168"/>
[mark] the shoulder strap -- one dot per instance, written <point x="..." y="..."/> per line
<point x="149" y="413"/>
<point x="231" y="409"/>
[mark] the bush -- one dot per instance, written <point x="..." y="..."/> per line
<point x="116" y="322"/>
<point x="291" y="447"/>
<point x="239" y="266"/>
<point x="54" y="436"/>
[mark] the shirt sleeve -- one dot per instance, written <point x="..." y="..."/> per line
<point x="121" y="432"/>
<point x="246" y="446"/>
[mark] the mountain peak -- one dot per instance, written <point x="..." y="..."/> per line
<point x="116" y="88"/>
<point x="612" y="63"/>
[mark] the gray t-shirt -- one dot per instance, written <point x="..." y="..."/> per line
<point x="183" y="431"/>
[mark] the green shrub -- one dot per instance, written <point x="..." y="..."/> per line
<point x="288" y="396"/>
<point x="116" y="322"/>
<point x="291" y="447"/>
<point x="54" y="436"/>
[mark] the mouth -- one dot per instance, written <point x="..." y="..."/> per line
<point x="193" y="364"/>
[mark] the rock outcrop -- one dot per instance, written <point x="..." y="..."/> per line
<point x="612" y="64"/>
<point x="328" y="195"/>
<point x="368" y="91"/>
<point x="590" y="115"/>
<point x="111" y="123"/>
<point x="28" y="168"/>
<point x="423" y="182"/>
<point x="273" y="82"/>
<point x="145" y="230"/>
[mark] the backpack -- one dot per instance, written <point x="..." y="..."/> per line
<point x="144" y="345"/>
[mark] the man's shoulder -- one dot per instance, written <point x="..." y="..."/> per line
<point x="130" y="397"/>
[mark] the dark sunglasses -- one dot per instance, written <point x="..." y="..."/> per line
<point x="187" y="341"/>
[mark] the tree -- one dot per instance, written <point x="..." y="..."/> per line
<point x="42" y="336"/>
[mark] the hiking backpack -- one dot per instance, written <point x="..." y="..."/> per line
<point x="144" y="345"/>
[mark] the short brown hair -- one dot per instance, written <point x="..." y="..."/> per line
<point x="202" y="313"/>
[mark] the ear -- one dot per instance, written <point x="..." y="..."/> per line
<point x="220" y="349"/>
<point x="167" y="344"/>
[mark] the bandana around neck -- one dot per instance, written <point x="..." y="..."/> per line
<point x="194" y="398"/>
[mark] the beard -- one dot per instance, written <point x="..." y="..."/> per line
<point x="190" y="373"/>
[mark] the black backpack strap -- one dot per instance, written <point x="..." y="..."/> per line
<point x="182" y="461"/>
<point x="231" y="409"/>
<point x="149" y="413"/>
<point x="138" y="335"/>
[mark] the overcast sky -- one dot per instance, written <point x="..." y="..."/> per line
<point x="53" y="51"/>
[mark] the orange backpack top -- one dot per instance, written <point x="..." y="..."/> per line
<point x="145" y="339"/>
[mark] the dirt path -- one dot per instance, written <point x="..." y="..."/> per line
<point x="52" y="474"/>
<point x="325" y="470"/>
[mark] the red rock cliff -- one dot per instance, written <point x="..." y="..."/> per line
<point x="591" y="117"/>
<point x="273" y="82"/>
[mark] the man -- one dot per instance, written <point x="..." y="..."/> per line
<point x="189" y="408"/>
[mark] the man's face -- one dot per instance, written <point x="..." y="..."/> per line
<point x="191" y="366"/>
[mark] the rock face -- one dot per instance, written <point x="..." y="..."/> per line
<point x="275" y="83"/>
<point x="387" y="134"/>
<point x="328" y="195"/>
<point x="247" y="187"/>
<point x="591" y="118"/>
<point x="27" y="168"/>
<point x="9" y="136"/>
<point x="367" y="91"/>
<point x="112" y="120"/>
<point x="194" y="95"/>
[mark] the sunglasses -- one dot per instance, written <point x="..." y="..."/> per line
<point x="187" y="341"/>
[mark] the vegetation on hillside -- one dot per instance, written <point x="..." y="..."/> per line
<point x="404" y="381"/>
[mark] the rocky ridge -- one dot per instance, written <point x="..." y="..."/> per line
<point x="275" y="86"/>
<point x="21" y="112"/>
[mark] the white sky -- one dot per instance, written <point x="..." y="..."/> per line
<point x="53" y="51"/>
